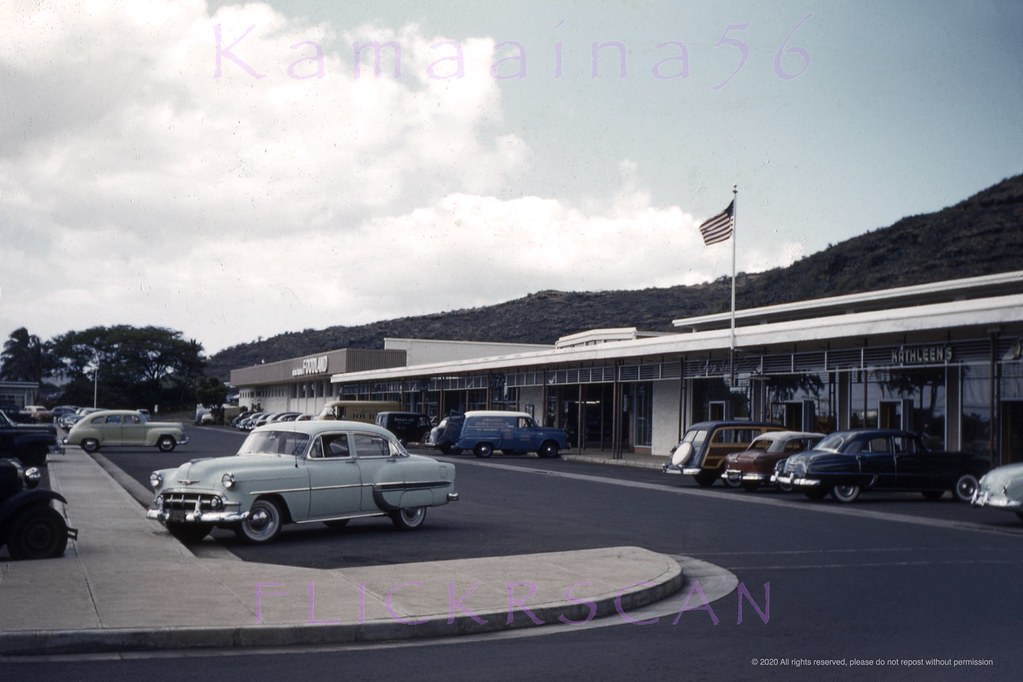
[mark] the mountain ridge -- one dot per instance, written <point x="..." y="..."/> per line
<point x="982" y="234"/>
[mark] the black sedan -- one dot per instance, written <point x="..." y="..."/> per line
<point x="846" y="463"/>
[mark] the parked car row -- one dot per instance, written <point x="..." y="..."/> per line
<point x="246" y="421"/>
<point x="841" y="465"/>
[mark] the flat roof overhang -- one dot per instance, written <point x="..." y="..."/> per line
<point x="929" y="322"/>
<point x="999" y="284"/>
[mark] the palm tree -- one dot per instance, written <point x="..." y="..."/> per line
<point x="22" y="357"/>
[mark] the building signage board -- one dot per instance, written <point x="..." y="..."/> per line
<point x="922" y="355"/>
<point x="317" y="365"/>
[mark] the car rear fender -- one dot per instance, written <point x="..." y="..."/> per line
<point x="423" y="483"/>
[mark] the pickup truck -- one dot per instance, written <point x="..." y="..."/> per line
<point x="30" y="443"/>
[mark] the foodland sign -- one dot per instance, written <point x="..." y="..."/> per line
<point x="311" y="366"/>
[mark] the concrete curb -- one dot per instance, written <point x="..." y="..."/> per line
<point x="108" y="640"/>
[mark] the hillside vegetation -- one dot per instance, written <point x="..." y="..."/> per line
<point x="980" y="235"/>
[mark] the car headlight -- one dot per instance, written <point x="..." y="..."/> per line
<point x="32" y="477"/>
<point x="227" y="480"/>
<point x="155" y="480"/>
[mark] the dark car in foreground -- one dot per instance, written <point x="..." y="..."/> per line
<point x="29" y="525"/>
<point x="30" y="443"/>
<point x="846" y="463"/>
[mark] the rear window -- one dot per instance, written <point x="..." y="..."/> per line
<point x="729" y="436"/>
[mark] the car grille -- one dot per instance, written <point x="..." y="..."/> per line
<point x="796" y="468"/>
<point x="188" y="502"/>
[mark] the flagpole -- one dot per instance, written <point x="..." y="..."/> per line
<point x="731" y="352"/>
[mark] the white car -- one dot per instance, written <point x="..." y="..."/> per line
<point x="1001" y="488"/>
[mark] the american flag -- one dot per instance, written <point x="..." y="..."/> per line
<point x="718" y="228"/>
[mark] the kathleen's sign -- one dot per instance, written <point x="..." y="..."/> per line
<point x="922" y="355"/>
<point x="311" y="366"/>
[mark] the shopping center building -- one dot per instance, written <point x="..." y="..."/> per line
<point x="944" y="359"/>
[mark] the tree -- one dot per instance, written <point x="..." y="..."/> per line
<point x="137" y="367"/>
<point x="24" y="357"/>
<point x="211" y="392"/>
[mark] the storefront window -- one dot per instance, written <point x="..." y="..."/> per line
<point x="906" y="398"/>
<point x="713" y="400"/>
<point x="644" y="410"/>
<point x="976" y="416"/>
<point x="1010" y="437"/>
<point x="801" y="402"/>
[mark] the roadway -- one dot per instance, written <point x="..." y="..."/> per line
<point x="892" y="586"/>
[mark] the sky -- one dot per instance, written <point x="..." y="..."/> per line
<point x="235" y="171"/>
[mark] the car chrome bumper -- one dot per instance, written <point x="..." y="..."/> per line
<point x="737" y="475"/>
<point x="453" y="497"/>
<point x="798" y="481"/>
<point x="163" y="516"/>
<point x="673" y="469"/>
<point x="987" y="499"/>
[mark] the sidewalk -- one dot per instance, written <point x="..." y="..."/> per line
<point x="126" y="584"/>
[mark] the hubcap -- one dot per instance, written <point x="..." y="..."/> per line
<point x="967" y="487"/>
<point x="260" y="519"/>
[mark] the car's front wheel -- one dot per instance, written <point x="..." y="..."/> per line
<point x="846" y="493"/>
<point x="483" y="450"/>
<point x="966" y="485"/>
<point x="38" y="532"/>
<point x="409" y="519"/>
<point x="166" y="443"/>
<point x="90" y="444"/>
<point x="263" y="522"/>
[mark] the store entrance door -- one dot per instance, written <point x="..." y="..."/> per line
<point x="1012" y="431"/>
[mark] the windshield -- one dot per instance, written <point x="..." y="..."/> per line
<point x="274" y="443"/>
<point x="832" y="443"/>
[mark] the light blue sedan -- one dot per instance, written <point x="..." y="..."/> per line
<point x="301" y="472"/>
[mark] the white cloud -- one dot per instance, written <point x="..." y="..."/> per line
<point x="139" y="187"/>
